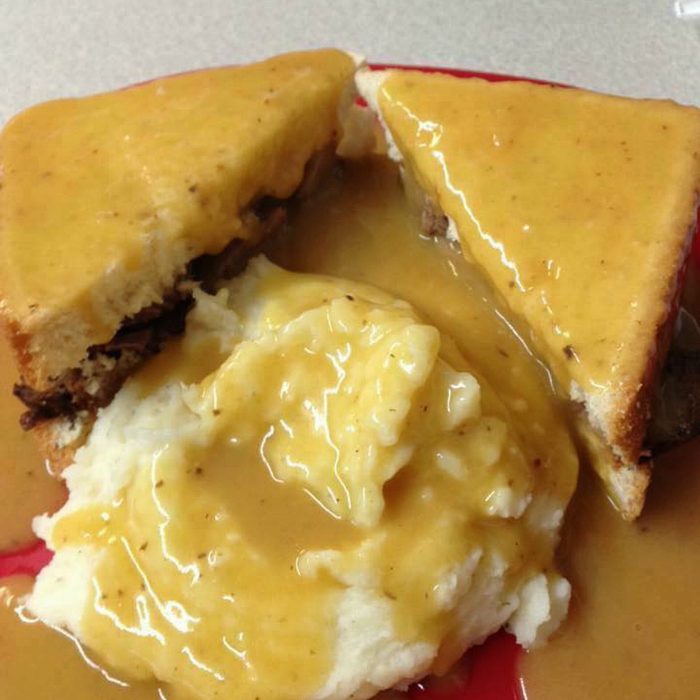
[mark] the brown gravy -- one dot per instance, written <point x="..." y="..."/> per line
<point x="634" y="627"/>
<point x="38" y="663"/>
<point x="26" y="487"/>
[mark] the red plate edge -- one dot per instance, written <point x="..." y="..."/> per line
<point x="464" y="73"/>
<point x="487" y="672"/>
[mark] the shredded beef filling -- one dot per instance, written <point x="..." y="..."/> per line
<point x="94" y="383"/>
<point x="676" y="405"/>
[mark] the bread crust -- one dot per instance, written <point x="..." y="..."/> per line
<point x="626" y="483"/>
<point x="632" y="411"/>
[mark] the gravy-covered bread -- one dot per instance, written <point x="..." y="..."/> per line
<point x="579" y="207"/>
<point x="109" y="204"/>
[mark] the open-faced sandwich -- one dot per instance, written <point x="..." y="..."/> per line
<point x="319" y="423"/>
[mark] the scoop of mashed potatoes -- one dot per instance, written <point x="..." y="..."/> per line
<point x="311" y="495"/>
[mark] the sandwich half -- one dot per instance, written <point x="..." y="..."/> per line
<point x="111" y="204"/>
<point x="579" y="208"/>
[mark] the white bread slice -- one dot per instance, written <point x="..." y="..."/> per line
<point x="105" y="200"/>
<point x="491" y="154"/>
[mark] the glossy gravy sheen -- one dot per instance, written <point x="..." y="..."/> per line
<point x="366" y="211"/>
<point x="521" y="167"/>
<point x="38" y="663"/>
<point x="360" y="228"/>
<point x="362" y="235"/>
<point x="117" y="202"/>
<point x="323" y="431"/>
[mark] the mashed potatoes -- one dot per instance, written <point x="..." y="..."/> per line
<point x="312" y="495"/>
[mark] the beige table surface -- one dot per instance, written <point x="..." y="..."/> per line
<point x="53" y="48"/>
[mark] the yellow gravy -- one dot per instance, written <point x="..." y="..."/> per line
<point x="364" y="234"/>
<point x="26" y="487"/>
<point x="102" y="184"/>
<point x="320" y="431"/>
<point x="633" y="630"/>
<point x="519" y="167"/>
<point x="38" y="663"/>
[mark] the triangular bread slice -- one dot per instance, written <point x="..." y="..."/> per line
<point x="105" y="201"/>
<point x="579" y="207"/>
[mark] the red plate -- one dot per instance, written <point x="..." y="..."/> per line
<point x="487" y="672"/>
